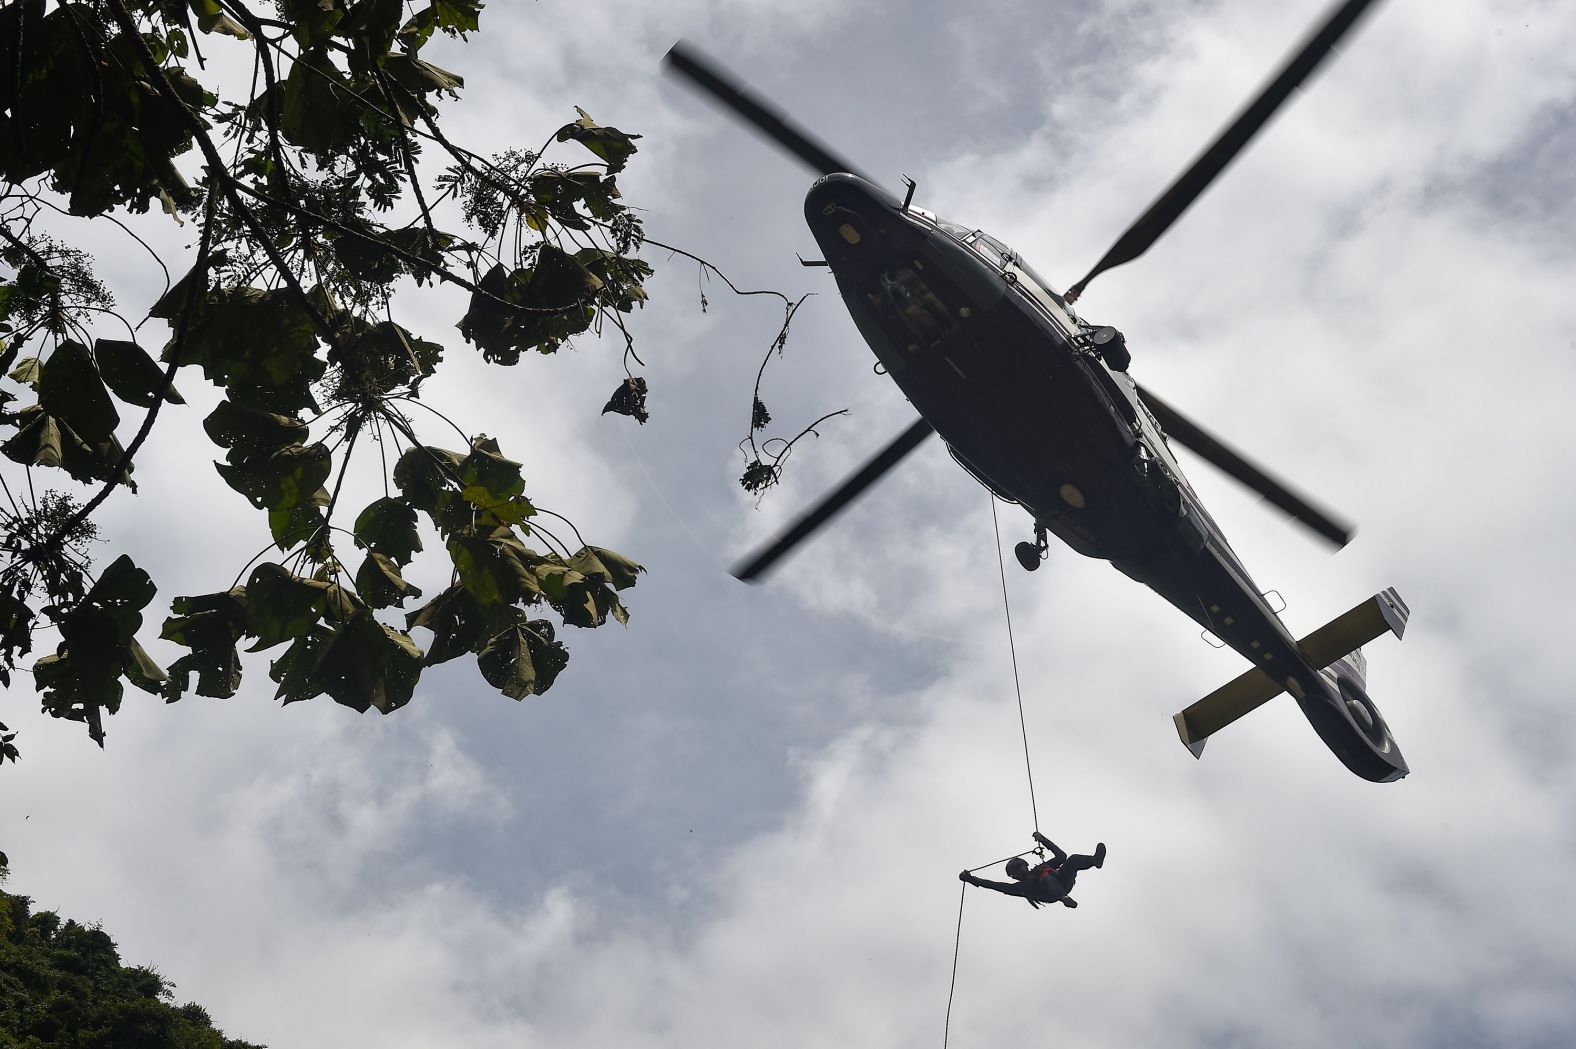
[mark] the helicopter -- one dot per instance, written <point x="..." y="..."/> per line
<point x="1037" y="405"/>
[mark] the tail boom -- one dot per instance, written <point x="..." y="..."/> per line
<point x="1331" y="692"/>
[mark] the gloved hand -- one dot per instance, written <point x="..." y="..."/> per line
<point x="966" y="876"/>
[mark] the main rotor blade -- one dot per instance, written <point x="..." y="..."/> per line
<point x="852" y="487"/>
<point x="1192" y="182"/>
<point x="1189" y="434"/>
<point x="712" y="79"/>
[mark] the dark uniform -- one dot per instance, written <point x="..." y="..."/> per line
<point x="1047" y="882"/>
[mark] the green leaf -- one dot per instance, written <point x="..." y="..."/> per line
<point x="286" y="479"/>
<point x="612" y="567"/>
<point x="209" y="625"/>
<point x="609" y="143"/>
<point x="282" y="606"/>
<point x="81" y="680"/>
<point x="455" y="17"/>
<point x="261" y="346"/>
<point x="491" y="510"/>
<point x="388" y="526"/>
<point x="423" y="78"/>
<point x="579" y="590"/>
<point x="495" y="566"/>
<point x="131" y="374"/>
<point x="173" y="302"/>
<point x="487" y="467"/>
<point x="422" y="474"/>
<point x="78" y="689"/>
<point x="37" y="440"/>
<point x="251" y="433"/>
<point x="536" y="308"/>
<point x="457" y="621"/>
<point x="312" y="21"/>
<point x="212" y="19"/>
<point x="379" y="583"/>
<point x="522" y="659"/>
<point x="427" y="245"/>
<point x="570" y="594"/>
<point x="370" y="28"/>
<point x="16" y="630"/>
<point x="295" y="670"/>
<point x="42" y="440"/>
<point x="123" y="590"/>
<point x="385" y="357"/>
<point x="480" y="568"/>
<point x="70" y="389"/>
<point x="27" y="371"/>
<point x="290" y="528"/>
<point x="218" y="671"/>
<point x="367" y="663"/>
<point x="319" y="113"/>
<point x="142" y="671"/>
<point x="493" y="484"/>
<point x="366" y="257"/>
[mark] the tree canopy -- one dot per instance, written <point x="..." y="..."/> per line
<point x="62" y="985"/>
<point x="314" y="198"/>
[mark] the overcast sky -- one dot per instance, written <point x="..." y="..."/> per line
<point x="739" y="820"/>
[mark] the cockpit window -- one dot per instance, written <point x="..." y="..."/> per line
<point x="1004" y="251"/>
<point x="951" y="228"/>
<point x="1043" y="283"/>
<point x="991" y="248"/>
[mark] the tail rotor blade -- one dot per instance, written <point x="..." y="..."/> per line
<point x="1142" y="234"/>
<point x="711" y="78"/>
<point x="1193" y="436"/>
<point x="757" y="564"/>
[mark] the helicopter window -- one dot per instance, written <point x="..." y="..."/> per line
<point x="1005" y="251"/>
<point x="1044" y="284"/>
<point x="960" y="232"/>
<point x="991" y="248"/>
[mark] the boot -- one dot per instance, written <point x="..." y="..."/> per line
<point x="1099" y="855"/>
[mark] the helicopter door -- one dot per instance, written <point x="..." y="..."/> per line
<point x="921" y="312"/>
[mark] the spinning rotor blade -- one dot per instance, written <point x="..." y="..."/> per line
<point x="710" y="78"/>
<point x="852" y="487"/>
<point x="1192" y="182"/>
<point x="1190" y="435"/>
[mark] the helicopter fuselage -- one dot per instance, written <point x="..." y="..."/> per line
<point x="1037" y="405"/>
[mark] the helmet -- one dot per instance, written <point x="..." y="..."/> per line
<point x="1017" y="867"/>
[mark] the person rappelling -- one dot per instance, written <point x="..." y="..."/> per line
<point x="1047" y="882"/>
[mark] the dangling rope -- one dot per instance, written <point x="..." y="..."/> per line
<point x="946" y="1028"/>
<point x="1001" y="564"/>
<point x="1028" y="768"/>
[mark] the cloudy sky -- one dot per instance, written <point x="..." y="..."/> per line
<point x="740" y="820"/>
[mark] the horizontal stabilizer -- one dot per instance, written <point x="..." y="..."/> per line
<point x="1253" y="688"/>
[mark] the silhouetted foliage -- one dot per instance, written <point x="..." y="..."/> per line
<point x="62" y="985"/>
<point x="310" y="214"/>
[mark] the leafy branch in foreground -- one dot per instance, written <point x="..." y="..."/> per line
<point x="312" y="213"/>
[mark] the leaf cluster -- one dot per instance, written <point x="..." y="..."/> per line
<point x="310" y="213"/>
<point x="314" y="203"/>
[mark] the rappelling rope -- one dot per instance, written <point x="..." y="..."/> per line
<point x="946" y="1028"/>
<point x="1028" y="768"/>
<point x="1001" y="565"/>
<point x="952" y="986"/>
